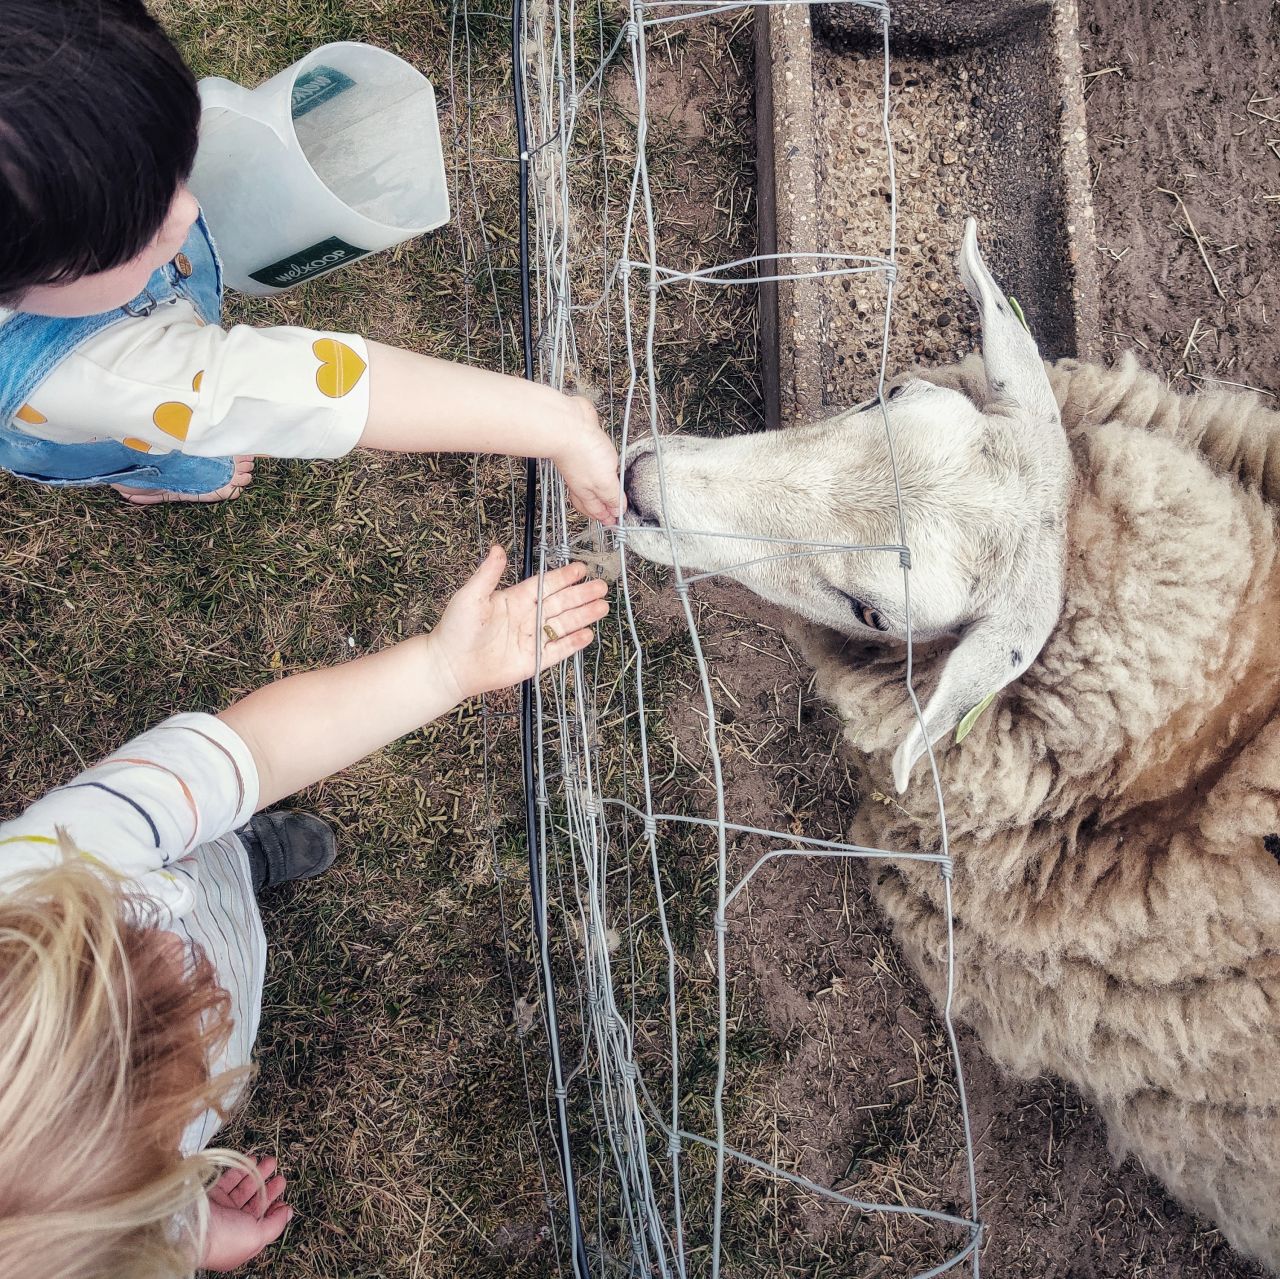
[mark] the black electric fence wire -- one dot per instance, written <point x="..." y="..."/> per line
<point x="581" y="1266"/>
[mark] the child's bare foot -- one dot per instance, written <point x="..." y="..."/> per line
<point x="240" y="480"/>
<point x="244" y="1219"/>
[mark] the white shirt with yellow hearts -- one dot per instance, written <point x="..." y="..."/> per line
<point x="168" y="382"/>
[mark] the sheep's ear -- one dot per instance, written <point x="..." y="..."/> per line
<point x="990" y="655"/>
<point x="1015" y="372"/>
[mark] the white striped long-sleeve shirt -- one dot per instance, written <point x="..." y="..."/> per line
<point x="160" y="811"/>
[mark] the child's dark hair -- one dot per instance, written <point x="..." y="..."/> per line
<point x="99" y="118"/>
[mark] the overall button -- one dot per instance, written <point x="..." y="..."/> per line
<point x="183" y="265"/>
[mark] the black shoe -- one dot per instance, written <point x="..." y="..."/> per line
<point x="283" y="846"/>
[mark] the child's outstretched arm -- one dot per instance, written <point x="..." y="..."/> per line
<point x="420" y="404"/>
<point x="310" y="726"/>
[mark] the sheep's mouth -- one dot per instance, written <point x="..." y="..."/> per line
<point x="638" y="519"/>
<point x="637" y="514"/>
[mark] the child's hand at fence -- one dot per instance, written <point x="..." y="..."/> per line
<point x="489" y="639"/>
<point x="315" y="723"/>
<point x="243" y="1219"/>
<point x="589" y="464"/>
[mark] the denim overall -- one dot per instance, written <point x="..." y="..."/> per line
<point x="32" y="346"/>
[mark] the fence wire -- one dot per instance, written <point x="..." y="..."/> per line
<point x="635" y="1188"/>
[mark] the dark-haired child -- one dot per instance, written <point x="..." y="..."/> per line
<point x="113" y="366"/>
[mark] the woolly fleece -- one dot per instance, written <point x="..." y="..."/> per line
<point x="1117" y="902"/>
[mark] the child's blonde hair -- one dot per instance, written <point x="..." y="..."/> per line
<point x="107" y="1028"/>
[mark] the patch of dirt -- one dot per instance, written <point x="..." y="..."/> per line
<point x="1185" y="96"/>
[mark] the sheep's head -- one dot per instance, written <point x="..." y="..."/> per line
<point x="984" y="495"/>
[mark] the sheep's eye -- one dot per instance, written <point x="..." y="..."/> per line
<point x="896" y="391"/>
<point x="868" y="616"/>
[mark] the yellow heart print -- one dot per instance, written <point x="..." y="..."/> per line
<point x="340" y="367"/>
<point x="173" y="419"/>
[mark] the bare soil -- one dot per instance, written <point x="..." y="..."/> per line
<point x="1184" y="104"/>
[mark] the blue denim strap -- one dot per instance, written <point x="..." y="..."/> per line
<point x="32" y="346"/>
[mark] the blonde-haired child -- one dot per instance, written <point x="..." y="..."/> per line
<point x="131" y="950"/>
<point x="104" y="1056"/>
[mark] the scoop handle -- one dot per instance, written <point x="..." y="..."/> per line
<point x="218" y="96"/>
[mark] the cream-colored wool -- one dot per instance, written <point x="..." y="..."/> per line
<point x="1117" y="910"/>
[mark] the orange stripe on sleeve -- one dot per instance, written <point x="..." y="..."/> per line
<point x="186" y="790"/>
<point x="235" y="768"/>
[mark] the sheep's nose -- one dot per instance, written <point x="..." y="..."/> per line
<point x="640" y="483"/>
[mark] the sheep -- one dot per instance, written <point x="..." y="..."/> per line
<point x="1114" y="816"/>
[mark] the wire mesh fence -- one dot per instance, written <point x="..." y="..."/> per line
<point x="637" y="1047"/>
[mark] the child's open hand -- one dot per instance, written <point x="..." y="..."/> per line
<point x="489" y="639"/>
<point x="243" y="1221"/>
<point x="589" y="464"/>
